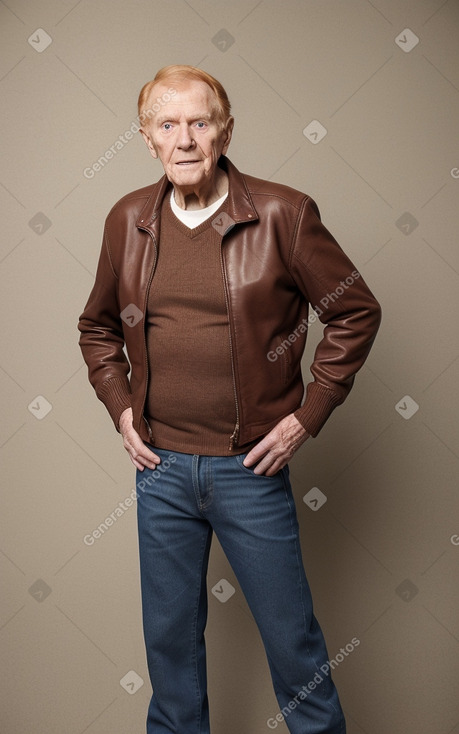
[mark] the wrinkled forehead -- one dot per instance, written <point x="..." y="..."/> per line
<point x="181" y="99"/>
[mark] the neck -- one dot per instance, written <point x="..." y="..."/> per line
<point x="193" y="198"/>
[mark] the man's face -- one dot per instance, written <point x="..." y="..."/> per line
<point x="186" y="135"/>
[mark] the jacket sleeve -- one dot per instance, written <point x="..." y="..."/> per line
<point x="344" y="304"/>
<point x="102" y="340"/>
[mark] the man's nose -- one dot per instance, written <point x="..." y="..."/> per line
<point x="185" y="139"/>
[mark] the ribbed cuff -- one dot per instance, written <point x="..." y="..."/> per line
<point x="319" y="403"/>
<point x="116" y="396"/>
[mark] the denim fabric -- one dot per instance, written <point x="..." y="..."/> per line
<point x="254" y="518"/>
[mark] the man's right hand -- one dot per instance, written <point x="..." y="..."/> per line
<point x="140" y="455"/>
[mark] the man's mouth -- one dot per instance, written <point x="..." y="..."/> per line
<point x="186" y="163"/>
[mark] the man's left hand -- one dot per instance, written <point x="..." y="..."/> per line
<point x="277" y="447"/>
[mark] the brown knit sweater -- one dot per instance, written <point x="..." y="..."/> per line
<point x="190" y="401"/>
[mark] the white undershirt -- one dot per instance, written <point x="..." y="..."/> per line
<point x="194" y="217"/>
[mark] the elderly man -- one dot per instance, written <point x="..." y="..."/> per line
<point x="206" y="278"/>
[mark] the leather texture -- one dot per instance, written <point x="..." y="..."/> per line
<point x="278" y="261"/>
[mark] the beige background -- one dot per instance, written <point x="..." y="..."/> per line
<point x="382" y="553"/>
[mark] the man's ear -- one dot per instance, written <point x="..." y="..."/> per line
<point x="229" y="125"/>
<point x="150" y="145"/>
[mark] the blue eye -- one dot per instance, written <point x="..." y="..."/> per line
<point x="167" y="126"/>
<point x="201" y="124"/>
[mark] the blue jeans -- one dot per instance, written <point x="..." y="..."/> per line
<point x="254" y="519"/>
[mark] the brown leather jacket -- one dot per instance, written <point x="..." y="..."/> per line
<point x="277" y="259"/>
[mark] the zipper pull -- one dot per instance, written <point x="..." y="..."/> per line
<point x="234" y="437"/>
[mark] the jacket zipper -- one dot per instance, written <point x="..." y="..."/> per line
<point x="144" y="327"/>
<point x="235" y="435"/>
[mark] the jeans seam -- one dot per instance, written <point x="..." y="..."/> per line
<point x="195" y="481"/>
<point x="194" y="637"/>
<point x="209" y="483"/>
<point x="203" y="504"/>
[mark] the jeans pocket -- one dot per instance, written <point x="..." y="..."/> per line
<point x="249" y="469"/>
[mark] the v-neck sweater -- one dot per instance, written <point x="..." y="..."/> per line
<point x="190" y="403"/>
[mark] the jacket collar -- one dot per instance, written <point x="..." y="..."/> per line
<point x="240" y="205"/>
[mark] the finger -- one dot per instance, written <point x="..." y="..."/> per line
<point x="264" y="465"/>
<point x="275" y="467"/>
<point x="137" y="449"/>
<point x="148" y="456"/>
<point x="258" y="451"/>
<point x="148" y="463"/>
<point x="140" y="462"/>
<point x="145" y="460"/>
<point x="271" y="463"/>
<point x="251" y="458"/>
<point x="138" y="466"/>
